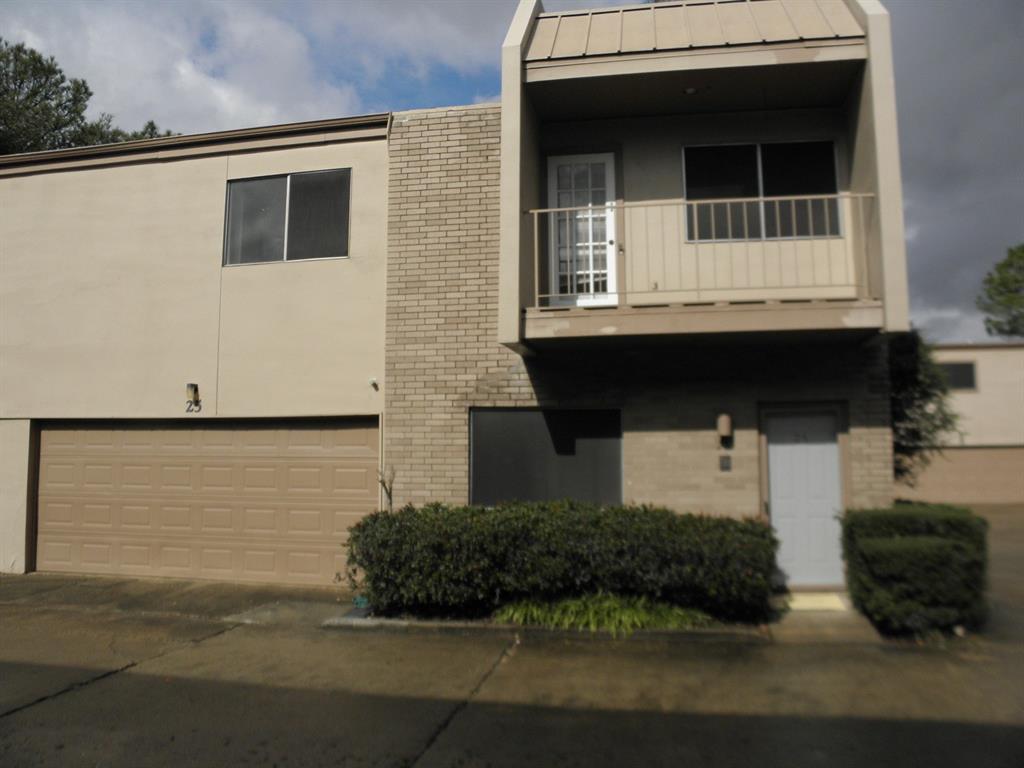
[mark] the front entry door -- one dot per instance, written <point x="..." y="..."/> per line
<point x="582" y="242"/>
<point x="805" y="496"/>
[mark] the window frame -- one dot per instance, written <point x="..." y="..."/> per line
<point x="760" y="199"/>
<point x="287" y="213"/>
<point x="944" y="366"/>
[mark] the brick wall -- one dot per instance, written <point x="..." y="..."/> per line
<point x="442" y="358"/>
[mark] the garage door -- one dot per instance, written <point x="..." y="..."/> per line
<point x="246" y="501"/>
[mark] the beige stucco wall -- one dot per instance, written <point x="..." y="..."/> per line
<point x="14" y="479"/>
<point x="112" y="295"/>
<point x="992" y="414"/>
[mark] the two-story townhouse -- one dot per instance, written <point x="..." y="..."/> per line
<point x="662" y="270"/>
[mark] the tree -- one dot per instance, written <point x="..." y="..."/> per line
<point x="41" y="108"/>
<point x="1002" y="295"/>
<point x="919" y="401"/>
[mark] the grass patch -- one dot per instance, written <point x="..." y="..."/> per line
<point x="603" y="613"/>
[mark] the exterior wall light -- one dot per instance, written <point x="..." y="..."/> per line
<point x="192" y="393"/>
<point x="724" y="426"/>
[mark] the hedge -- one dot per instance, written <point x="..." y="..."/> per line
<point x="442" y="560"/>
<point x="914" y="568"/>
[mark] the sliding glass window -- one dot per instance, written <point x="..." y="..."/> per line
<point x="755" y="191"/>
<point x="294" y="217"/>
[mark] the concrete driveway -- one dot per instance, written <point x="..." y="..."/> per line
<point x="134" y="673"/>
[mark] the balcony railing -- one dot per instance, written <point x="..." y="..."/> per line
<point x="694" y="251"/>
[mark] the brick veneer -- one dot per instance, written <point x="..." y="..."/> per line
<point x="442" y="357"/>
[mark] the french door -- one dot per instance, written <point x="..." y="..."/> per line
<point x="581" y="190"/>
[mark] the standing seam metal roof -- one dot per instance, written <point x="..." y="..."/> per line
<point x="687" y="24"/>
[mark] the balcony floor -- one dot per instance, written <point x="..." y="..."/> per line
<point x="754" y="317"/>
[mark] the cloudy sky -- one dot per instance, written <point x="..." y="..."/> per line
<point x="197" y="66"/>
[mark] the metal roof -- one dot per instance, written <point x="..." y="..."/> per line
<point x="687" y="24"/>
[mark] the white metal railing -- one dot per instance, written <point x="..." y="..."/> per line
<point x="728" y="249"/>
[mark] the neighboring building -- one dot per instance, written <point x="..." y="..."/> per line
<point x="984" y="463"/>
<point x="662" y="270"/>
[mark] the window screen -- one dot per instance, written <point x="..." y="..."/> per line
<point x="543" y="455"/>
<point x="959" y="375"/>
<point x="318" y="215"/>
<point x="317" y="219"/>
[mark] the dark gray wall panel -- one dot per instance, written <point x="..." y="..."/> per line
<point x="538" y="455"/>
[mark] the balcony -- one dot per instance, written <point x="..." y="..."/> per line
<point x="702" y="266"/>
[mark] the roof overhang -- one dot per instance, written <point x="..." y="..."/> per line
<point x="361" y="128"/>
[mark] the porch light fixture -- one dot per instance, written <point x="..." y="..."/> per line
<point x="192" y="393"/>
<point x="724" y="426"/>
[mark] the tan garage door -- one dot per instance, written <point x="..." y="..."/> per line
<point x="245" y="501"/>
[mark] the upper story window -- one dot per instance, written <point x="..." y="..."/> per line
<point x="761" y="191"/>
<point x="288" y="218"/>
<point x="959" y="375"/>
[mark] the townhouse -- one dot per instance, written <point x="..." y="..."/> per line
<point x="661" y="270"/>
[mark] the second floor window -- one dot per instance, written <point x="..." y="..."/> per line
<point x="288" y="218"/>
<point x="761" y="191"/>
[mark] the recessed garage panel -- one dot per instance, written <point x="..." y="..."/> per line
<point x="245" y="501"/>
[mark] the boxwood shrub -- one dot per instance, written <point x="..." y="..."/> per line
<point x="467" y="561"/>
<point x="914" y="568"/>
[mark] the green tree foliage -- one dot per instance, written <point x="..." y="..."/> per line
<point x="1002" y="295"/>
<point x="41" y="108"/>
<point x="919" y="396"/>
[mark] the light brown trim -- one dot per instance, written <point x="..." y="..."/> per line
<point x="541" y="324"/>
<point x="698" y="58"/>
<point x="316" y="131"/>
<point x="838" y="409"/>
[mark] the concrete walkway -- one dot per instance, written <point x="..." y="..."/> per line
<point x="135" y="673"/>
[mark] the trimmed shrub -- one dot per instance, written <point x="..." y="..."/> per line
<point x="440" y="560"/>
<point x="916" y="567"/>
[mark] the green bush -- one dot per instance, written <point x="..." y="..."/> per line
<point x="603" y="613"/>
<point x="916" y="567"/>
<point x="468" y="561"/>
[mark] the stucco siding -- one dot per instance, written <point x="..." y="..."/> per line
<point x="15" y="460"/>
<point x="112" y="295"/>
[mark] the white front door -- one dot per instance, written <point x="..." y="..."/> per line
<point x="805" y="496"/>
<point x="582" y="230"/>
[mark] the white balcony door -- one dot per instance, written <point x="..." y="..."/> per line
<point x="805" y="494"/>
<point x="582" y="237"/>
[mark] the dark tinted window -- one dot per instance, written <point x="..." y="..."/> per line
<point x="318" y="215"/>
<point x="803" y="168"/>
<point x="722" y="172"/>
<point x="959" y="375"/>
<point x="715" y="172"/>
<point x="543" y="455"/>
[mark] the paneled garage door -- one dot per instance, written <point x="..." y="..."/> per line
<point x="239" y="501"/>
